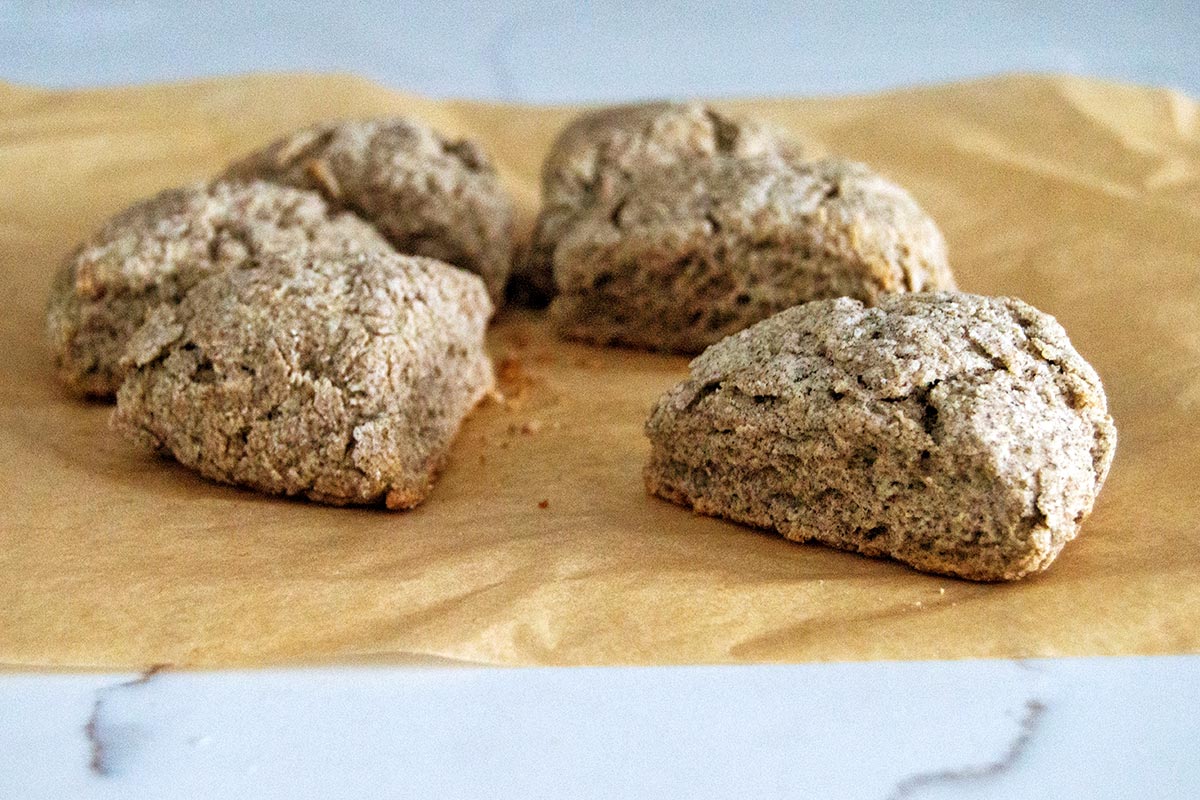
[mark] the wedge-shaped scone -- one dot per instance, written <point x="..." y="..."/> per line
<point x="594" y="158"/>
<point x="688" y="255"/>
<point x="959" y="434"/>
<point x="340" y="379"/>
<point x="427" y="194"/>
<point x="157" y="249"/>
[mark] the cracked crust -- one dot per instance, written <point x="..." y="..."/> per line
<point x="597" y="154"/>
<point x="958" y="434"/>
<point x="690" y="254"/>
<point x="157" y="249"/>
<point x="427" y="194"/>
<point x="342" y="379"/>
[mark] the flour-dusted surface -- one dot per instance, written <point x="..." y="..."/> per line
<point x="428" y="194"/>
<point x="342" y="378"/>
<point x="691" y="253"/>
<point x="956" y="433"/>
<point x="158" y="248"/>
<point x="594" y="159"/>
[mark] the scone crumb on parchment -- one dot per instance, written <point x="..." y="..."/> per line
<point x="526" y="428"/>
<point x="515" y="382"/>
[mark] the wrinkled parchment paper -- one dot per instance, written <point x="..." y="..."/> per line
<point x="1079" y="196"/>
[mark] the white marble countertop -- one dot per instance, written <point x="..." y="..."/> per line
<point x="1089" y="728"/>
<point x="1093" y="728"/>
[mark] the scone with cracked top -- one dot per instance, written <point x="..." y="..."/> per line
<point x="342" y="379"/>
<point x="157" y="249"/>
<point x="959" y="434"/>
<point x="595" y="156"/>
<point x="428" y="195"/>
<point x="687" y="255"/>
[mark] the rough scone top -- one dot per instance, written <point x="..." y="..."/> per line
<point x="342" y="379"/>
<point x="598" y="153"/>
<point x="956" y="433"/>
<point x="428" y="195"/>
<point x="686" y="255"/>
<point x="157" y="249"/>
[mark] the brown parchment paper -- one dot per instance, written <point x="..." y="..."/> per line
<point x="1079" y="196"/>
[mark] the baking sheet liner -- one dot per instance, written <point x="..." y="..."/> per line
<point x="1078" y="196"/>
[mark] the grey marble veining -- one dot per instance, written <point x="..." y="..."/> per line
<point x="1094" y="728"/>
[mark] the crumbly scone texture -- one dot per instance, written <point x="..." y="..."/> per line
<point x="342" y="379"/>
<point x="157" y="249"/>
<point x="690" y="254"/>
<point x="594" y="158"/>
<point x="958" y="434"/>
<point x="427" y="194"/>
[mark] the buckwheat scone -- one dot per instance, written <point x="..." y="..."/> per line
<point x="428" y="195"/>
<point x="959" y="434"/>
<point x="343" y="379"/>
<point x="154" y="251"/>
<point x="693" y="253"/>
<point x="597" y="154"/>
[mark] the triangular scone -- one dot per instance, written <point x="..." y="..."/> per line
<point x="158" y="248"/>
<point x="428" y="194"/>
<point x="956" y="433"/>
<point x="690" y="254"/>
<point x="595" y="157"/>
<point x="340" y="379"/>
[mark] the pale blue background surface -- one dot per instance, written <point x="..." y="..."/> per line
<point x="562" y="51"/>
